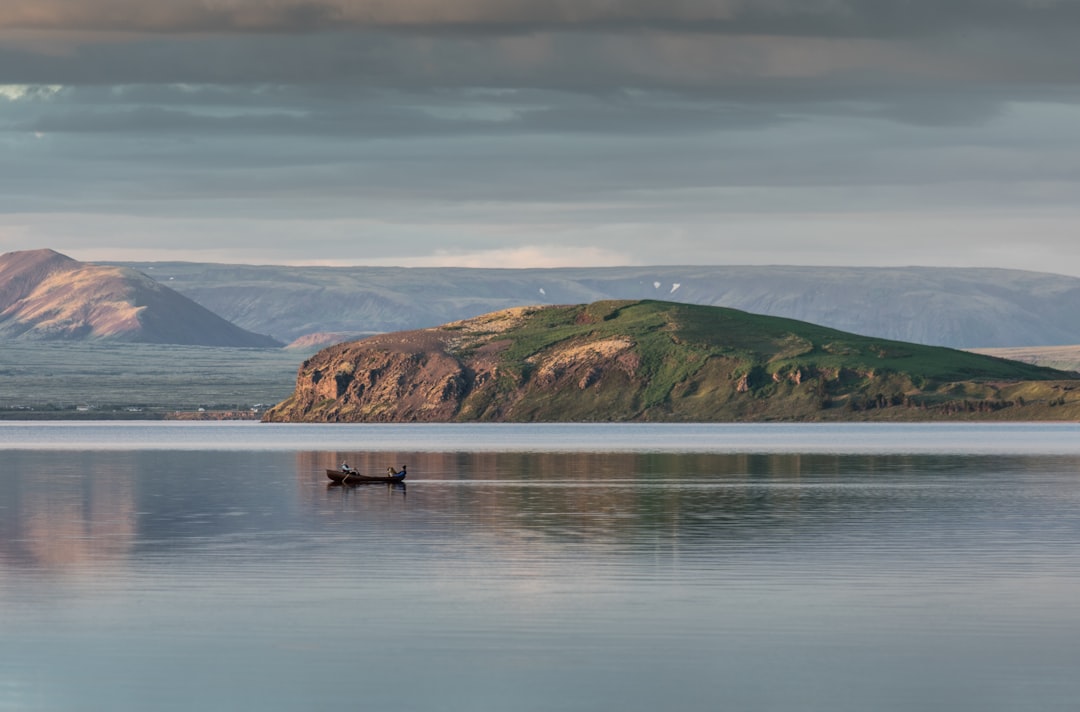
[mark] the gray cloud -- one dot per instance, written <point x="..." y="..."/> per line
<point x="295" y="111"/>
<point x="679" y="128"/>
<point x="152" y="150"/>
<point x="742" y="68"/>
<point x="851" y="18"/>
<point x="936" y="63"/>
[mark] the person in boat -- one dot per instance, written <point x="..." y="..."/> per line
<point x="396" y="473"/>
<point x="345" y="467"/>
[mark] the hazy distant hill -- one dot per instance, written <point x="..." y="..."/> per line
<point x="321" y="339"/>
<point x="962" y="308"/>
<point x="1065" y="358"/>
<point x="617" y="361"/>
<point x="47" y="296"/>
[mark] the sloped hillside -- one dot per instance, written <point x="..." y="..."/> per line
<point x="47" y="296"/>
<point x="660" y="361"/>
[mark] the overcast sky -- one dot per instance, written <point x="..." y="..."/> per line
<point x="522" y="133"/>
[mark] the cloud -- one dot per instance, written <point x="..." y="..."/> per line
<point x="513" y="155"/>
<point x="209" y="110"/>
<point x="526" y="256"/>
<point x="19" y="92"/>
<point x="940" y="62"/>
<point x="851" y="18"/>
<point x="462" y="131"/>
<point x="920" y="61"/>
<point x="55" y="28"/>
<point x="170" y="16"/>
<point x="473" y="16"/>
<point x="751" y="75"/>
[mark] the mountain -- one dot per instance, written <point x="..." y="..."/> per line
<point x="961" y="308"/>
<point x="45" y="295"/>
<point x="660" y="361"/>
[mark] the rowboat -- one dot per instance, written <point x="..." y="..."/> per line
<point x="355" y="478"/>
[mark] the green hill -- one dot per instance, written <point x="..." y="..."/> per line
<point x="661" y="361"/>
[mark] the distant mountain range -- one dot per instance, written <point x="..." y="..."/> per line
<point x="960" y="308"/>
<point x="45" y="295"/>
<point x="1064" y="358"/>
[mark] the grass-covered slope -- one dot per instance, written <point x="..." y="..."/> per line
<point x="661" y="361"/>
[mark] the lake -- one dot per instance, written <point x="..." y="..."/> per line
<point x="210" y="566"/>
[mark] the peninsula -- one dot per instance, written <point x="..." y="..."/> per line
<point x="621" y="361"/>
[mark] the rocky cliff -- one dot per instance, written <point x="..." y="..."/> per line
<point x="658" y="361"/>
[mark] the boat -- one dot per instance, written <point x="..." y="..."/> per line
<point x="352" y="477"/>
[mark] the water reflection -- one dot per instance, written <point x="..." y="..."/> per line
<point x="89" y="510"/>
<point x="61" y="512"/>
<point x="176" y="580"/>
<point x="606" y="498"/>
<point x="71" y="514"/>
<point x="600" y="467"/>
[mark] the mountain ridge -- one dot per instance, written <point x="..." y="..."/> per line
<point x="45" y="295"/>
<point x="956" y="307"/>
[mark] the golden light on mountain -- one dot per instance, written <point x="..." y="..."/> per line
<point x="47" y="296"/>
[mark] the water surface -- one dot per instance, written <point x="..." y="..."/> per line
<point x="211" y="567"/>
<point x="873" y="438"/>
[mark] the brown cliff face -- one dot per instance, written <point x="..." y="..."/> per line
<point x="453" y="372"/>
<point x="375" y="382"/>
<point x="412" y="376"/>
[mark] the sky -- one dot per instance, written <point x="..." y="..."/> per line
<point x="515" y="133"/>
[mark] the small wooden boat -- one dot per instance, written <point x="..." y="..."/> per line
<point x="355" y="478"/>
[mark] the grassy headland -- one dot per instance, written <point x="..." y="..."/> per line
<point x="662" y="361"/>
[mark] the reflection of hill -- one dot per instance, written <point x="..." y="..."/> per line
<point x="64" y="511"/>
<point x="70" y="515"/>
<point x="186" y="497"/>
<point x="94" y="511"/>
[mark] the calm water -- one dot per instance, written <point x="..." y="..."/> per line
<point x="210" y="567"/>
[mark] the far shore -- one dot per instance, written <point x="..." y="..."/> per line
<point x="125" y="415"/>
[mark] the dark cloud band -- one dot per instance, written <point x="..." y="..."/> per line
<point x="828" y="18"/>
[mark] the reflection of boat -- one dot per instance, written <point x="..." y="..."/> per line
<point x="355" y="478"/>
